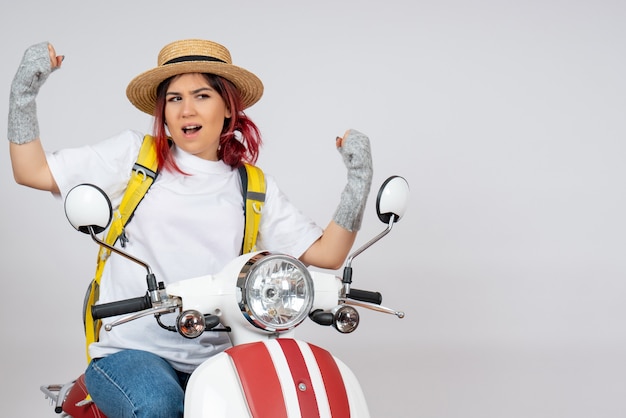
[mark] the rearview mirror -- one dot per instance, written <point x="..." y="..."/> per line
<point x="87" y="206"/>
<point x="393" y="199"/>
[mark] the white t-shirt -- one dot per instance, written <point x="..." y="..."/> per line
<point x="186" y="226"/>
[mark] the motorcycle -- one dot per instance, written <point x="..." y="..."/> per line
<point x="259" y="298"/>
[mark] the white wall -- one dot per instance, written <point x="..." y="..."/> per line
<point x="506" y="118"/>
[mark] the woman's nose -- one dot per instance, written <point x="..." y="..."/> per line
<point x="188" y="108"/>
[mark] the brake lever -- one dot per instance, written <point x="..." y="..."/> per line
<point x="167" y="306"/>
<point x="371" y="306"/>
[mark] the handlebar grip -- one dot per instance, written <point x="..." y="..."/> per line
<point x="366" y="296"/>
<point x="121" y="307"/>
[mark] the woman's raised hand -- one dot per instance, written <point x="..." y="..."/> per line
<point x="38" y="62"/>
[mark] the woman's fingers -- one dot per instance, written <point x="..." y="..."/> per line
<point x="55" y="60"/>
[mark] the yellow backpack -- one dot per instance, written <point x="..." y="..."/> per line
<point x="143" y="175"/>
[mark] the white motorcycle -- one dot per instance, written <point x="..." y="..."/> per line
<point x="259" y="299"/>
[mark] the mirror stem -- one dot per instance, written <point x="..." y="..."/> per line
<point x="347" y="271"/>
<point x="150" y="278"/>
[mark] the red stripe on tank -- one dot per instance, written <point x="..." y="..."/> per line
<point x="335" y="387"/>
<point x="259" y="380"/>
<point x="301" y="378"/>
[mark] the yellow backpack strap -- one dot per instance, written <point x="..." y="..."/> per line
<point x="143" y="174"/>
<point x="253" y="186"/>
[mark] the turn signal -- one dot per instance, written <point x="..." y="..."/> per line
<point x="346" y="319"/>
<point x="190" y="324"/>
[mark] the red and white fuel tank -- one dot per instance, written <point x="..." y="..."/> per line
<point x="276" y="378"/>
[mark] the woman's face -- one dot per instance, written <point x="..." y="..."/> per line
<point x="195" y="113"/>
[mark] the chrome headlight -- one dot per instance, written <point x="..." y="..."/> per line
<point x="276" y="291"/>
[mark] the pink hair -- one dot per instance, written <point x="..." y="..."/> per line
<point x="235" y="149"/>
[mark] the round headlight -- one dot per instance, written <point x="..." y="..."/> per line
<point x="276" y="291"/>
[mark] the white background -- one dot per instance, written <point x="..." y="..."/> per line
<point x="507" y="119"/>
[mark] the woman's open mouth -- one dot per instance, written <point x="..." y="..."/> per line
<point x="191" y="129"/>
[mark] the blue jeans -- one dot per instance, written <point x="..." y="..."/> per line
<point x="136" y="384"/>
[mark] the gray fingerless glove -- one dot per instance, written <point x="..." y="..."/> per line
<point x="355" y="150"/>
<point x="33" y="71"/>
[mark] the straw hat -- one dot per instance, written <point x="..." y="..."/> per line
<point x="192" y="56"/>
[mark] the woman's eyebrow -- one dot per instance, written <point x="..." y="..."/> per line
<point x="196" y="91"/>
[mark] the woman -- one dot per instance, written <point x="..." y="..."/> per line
<point x="191" y="221"/>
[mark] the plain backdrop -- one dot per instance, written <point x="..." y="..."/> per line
<point x="507" y="120"/>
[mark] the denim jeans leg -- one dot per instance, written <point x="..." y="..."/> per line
<point x="135" y="384"/>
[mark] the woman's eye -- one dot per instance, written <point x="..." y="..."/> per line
<point x="174" y="99"/>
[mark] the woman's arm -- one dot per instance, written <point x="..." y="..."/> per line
<point x="28" y="158"/>
<point x="332" y="248"/>
<point x="30" y="167"/>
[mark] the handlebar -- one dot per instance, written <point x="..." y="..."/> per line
<point x="121" y="307"/>
<point x="126" y="306"/>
